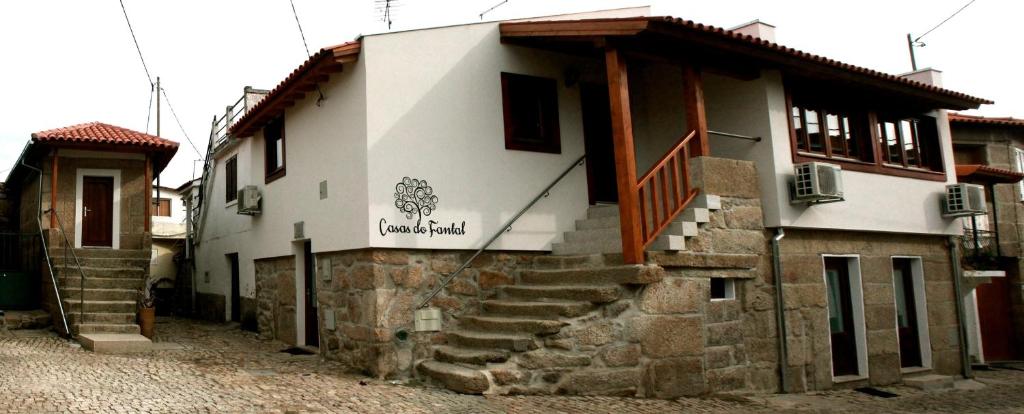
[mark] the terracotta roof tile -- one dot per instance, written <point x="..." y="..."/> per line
<point x="976" y="119"/>
<point x="100" y="133"/>
<point x="985" y="173"/>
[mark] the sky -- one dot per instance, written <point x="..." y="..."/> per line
<point x="66" y="62"/>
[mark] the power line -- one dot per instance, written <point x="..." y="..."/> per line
<point x="944" y="21"/>
<point x="134" y="39"/>
<point x="175" y="115"/>
<point x="303" y="34"/>
<point x="150" y="110"/>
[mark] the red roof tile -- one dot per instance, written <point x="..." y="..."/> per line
<point x="976" y="119"/>
<point x="984" y="173"/>
<point x="100" y="133"/>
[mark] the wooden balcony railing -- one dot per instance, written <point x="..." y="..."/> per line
<point x="665" y="190"/>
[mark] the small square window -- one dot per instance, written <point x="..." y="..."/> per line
<point x="530" y="109"/>
<point x="723" y="289"/>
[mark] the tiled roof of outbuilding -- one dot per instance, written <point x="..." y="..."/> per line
<point x="100" y="133"/>
<point x="976" y="119"/>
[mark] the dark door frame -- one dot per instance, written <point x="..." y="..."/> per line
<point x="845" y="343"/>
<point x="911" y="354"/>
<point x="236" y="294"/>
<point x="598" y="144"/>
<point x="97" y="211"/>
<point x="312" y="320"/>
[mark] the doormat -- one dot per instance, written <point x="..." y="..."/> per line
<point x="297" y="351"/>
<point x="875" y="392"/>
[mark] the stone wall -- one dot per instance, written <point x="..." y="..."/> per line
<point x="7" y="210"/>
<point x="808" y="336"/>
<point x="133" y="191"/>
<point x="275" y="299"/>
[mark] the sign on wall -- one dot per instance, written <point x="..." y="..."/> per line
<point x="416" y="199"/>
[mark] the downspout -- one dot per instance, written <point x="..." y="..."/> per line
<point x="954" y="258"/>
<point x="780" y="310"/>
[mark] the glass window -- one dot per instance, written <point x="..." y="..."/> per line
<point x="723" y="288"/>
<point x="814" y="138"/>
<point x="1019" y="167"/>
<point x="530" y="110"/>
<point x="274" y="149"/>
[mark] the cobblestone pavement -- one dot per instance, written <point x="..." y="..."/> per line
<point x="203" y="367"/>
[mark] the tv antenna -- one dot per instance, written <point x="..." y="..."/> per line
<point x="913" y="42"/>
<point x="386" y="10"/>
<point x="492" y="8"/>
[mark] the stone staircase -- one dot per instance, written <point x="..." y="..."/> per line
<point x="111" y="289"/>
<point x="600" y="231"/>
<point x="532" y="337"/>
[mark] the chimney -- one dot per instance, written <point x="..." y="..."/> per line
<point x="927" y="76"/>
<point x="757" y="28"/>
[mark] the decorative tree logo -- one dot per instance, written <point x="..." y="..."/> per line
<point x="414" y="196"/>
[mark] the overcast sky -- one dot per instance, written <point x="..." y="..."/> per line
<point x="71" y="61"/>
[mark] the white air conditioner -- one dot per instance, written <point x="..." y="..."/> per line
<point x="964" y="200"/>
<point x="249" y="200"/>
<point x="816" y="182"/>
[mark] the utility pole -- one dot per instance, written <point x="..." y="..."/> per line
<point x="158" y="104"/>
<point x="910" y="45"/>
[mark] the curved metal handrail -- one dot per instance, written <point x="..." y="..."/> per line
<point x="78" y="263"/>
<point x="504" y="228"/>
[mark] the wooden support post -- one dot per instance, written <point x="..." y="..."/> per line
<point x="696" y="119"/>
<point x="53" y="191"/>
<point x="625" y="157"/>
<point x="148" y="197"/>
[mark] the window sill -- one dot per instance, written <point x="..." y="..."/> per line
<point x="231" y="203"/>
<point x="722" y="299"/>
<point x="873" y="168"/>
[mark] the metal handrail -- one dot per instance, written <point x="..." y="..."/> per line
<point x="42" y="239"/>
<point x="78" y="263"/>
<point x="504" y="228"/>
<point x="726" y="134"/>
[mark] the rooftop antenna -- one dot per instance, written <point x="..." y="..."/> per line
<point x="492" y="8"/>
<point x="913" y="42"/>
<point x="386" y="10"/>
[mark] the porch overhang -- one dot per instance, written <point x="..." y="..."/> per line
<point x="983" y="174"/>
<point x="721" y="50"/>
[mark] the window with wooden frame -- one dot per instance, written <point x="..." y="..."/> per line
<point x="830" y="132"/>
<point x="162" y="207"/>
<point x="231" y="179"/>
<point x="530" y="109"/>
<point x="274" y="149"/>
<point x="909" y="142"/>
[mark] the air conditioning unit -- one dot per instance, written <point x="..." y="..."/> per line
<point x="816" y="182"/>
<point x="964" y="200"/>
<point x="249" y="200"/>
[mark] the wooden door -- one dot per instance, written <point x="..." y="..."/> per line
<point x="236" y="295"/>
<point x="597" y="138"/>
<point x="906" y="313"/>
<point x="997" y="331"/>
<point x="97" y="211"/>
<point x="840" y="317"/>
<point x="312" y="321"/>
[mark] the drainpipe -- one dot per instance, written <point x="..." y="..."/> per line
<point x="780" y="310"/>
<point x="954" y="258"/>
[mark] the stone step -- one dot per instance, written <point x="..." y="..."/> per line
<point x="101" y="283"/>
<point x="694" y="214"/>
<point x="585" y="293"/>
<point x="668" y="243"/>
<point x="114" y="343"/>
<point x="454" y="377"/>
<point x="72" y="293"/>
<point x="583" y="236"/>
<point x="929" y="382"/>
<point x="104" y="262"/>
<point x="600" y="246"/>
<point x="89" y="328"/>
<point x="710" y="202"/>
<point x="681" y="228"/>
<point x="492" y="340"/>
<point x="102" y="306"/>
<point x="550" y="309"/>
<point x="626" y="274"/>
<point x="106" y="253"/>
<point x="575" y="262"/>
<point x="603" y="210"/>
<point x="455" y="355"/>
<point x="101" y="272"/>
<point x="598" y="223"/>
<point x="102" y="318"/>
<point x="512" y="324"/>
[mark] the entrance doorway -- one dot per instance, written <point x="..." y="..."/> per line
<point x="994" y="308"/>
<point x="236" y="295"/>
<point x="907" y="323"/>
<point x="840" y="317"/>
<point x="597" y="141"/>
<point x="309" y="287"/>
<point x="97" y="211"/>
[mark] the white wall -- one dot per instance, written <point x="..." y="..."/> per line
<point x="874" y="202"/>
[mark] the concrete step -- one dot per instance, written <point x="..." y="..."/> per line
<point x="603" y="210"/>
<point x="600" y="246"/>
<point x="584" y="293"/>
<point x="101" y="306"/>
<point x="681" y="228"/>
<point x="492" y="340"/>
<point x="101" y="272"/>
<point x="103" y="262"/>
<point x="575" y="262"/>
<point x="72" y="293"/>
<point x="101" y="283"/>
<point x="102" y="318"/>
<point x="120" y="328"/>
<point x="583" y="236"/>
<point x="625" y="274"/>
<point x="598" y="223"/>
<point x="113" y="343"/>
<point x="930" y="382"/>
<point x="668" y="243"/>
<point x="550" y="309"/>
<point x="695" y="214"/>
<point x="512" y="324"/>
<point x="455" y="355"/>
<point x="710" y="202"/>
<point x="106" y="253"/>
<point x="454" y="377"/>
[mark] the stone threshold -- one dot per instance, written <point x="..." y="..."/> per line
<point x="914" y="370"/>
<point x="844" y="379"/>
